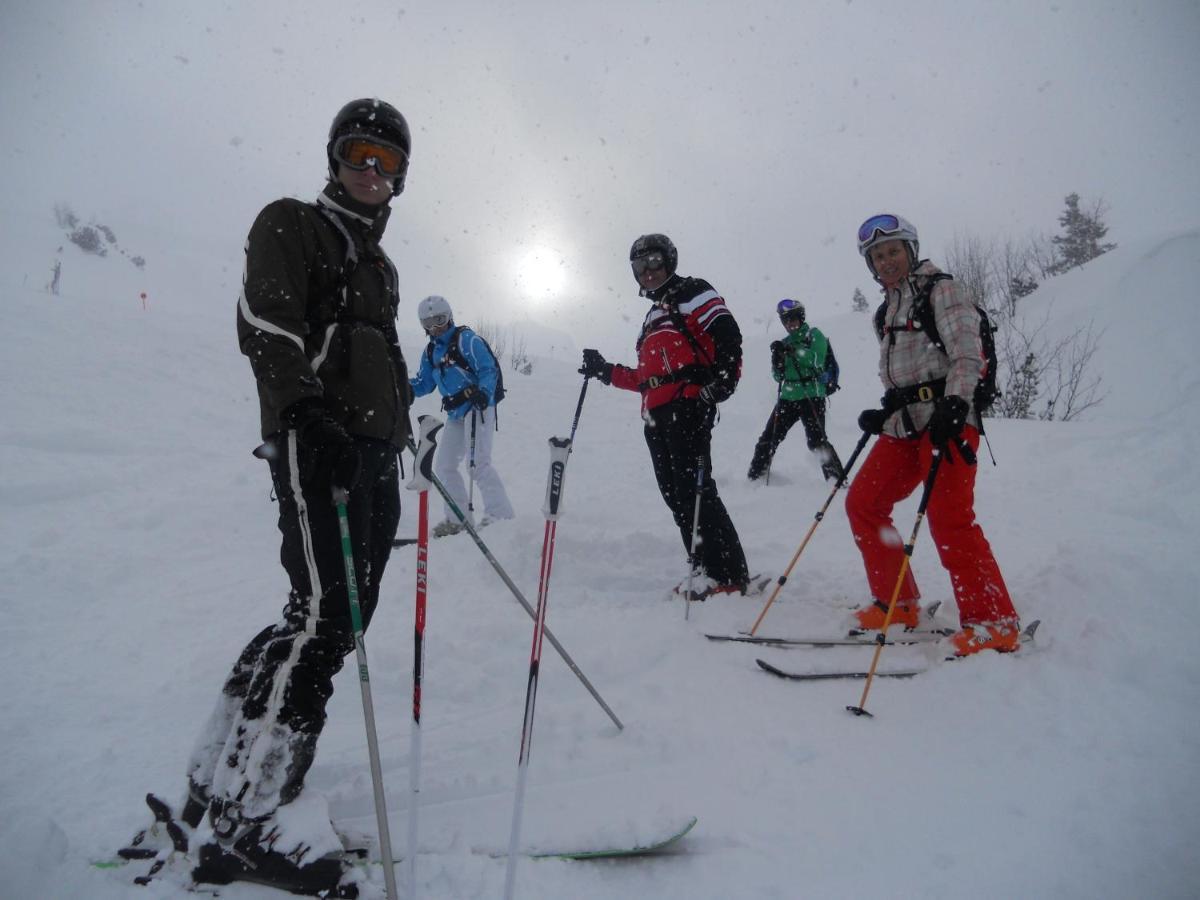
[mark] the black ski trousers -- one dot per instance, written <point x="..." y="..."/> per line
<point x="260" y="740"/>
<point x="679" y="435"/>
<point x="810" y="412"/>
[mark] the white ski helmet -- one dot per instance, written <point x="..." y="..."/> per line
<point x="888" y="227"/>
<point x="434" y="311"/>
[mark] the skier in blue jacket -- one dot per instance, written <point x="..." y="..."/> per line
<point x="459" y="364"/>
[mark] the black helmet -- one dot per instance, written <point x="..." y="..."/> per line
<point x="649" y="243"/>
<point x="372" y="118"/>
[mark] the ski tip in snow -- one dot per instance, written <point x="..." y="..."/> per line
<point x="645" y="849"/>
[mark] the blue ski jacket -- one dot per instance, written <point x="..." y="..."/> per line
<point x="439" y="372"/>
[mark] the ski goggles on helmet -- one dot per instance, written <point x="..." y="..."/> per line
<point x="435" y="321"/>
<point x="654" y="260"/>
<point x="788" y="308"/>
<point x="361" y="153"/>
<point x="886" y="227"/>
<point x="884" y="224"/>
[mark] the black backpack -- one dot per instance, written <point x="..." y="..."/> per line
<point x="454" y="357"/>
<point x="987" y="391"/>
<point x="832" y="370"/>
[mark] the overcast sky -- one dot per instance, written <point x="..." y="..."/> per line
<point x="757" y="134"/>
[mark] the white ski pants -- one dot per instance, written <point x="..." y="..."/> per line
<point x="454" y="446"/>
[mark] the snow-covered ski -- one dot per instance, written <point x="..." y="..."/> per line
<point x="1027" y="634"/>
<point x="363" y="857"/>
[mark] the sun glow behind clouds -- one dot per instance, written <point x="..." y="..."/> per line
<point x="541" y="273"/>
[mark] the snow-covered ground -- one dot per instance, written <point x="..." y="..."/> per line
<point x="139" y="553"/>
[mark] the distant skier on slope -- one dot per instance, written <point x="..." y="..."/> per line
<point x="689" y="360"/>
<point x="927" y="404"/>
<point x="800" y="363"/>
<point x="317" y="321"/>
<point x="460" y="365"/>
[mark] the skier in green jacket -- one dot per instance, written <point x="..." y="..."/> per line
<point x="803" y="365"/>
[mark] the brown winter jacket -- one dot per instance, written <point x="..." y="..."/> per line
<point x="316" y="322"/>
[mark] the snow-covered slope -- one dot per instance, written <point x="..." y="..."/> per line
<point x="139" y="553"/>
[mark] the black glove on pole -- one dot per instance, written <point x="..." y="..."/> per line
<point x="332" y="447"/>
<point x="872" y="420"/>
<point x="948" y="418"/>
<point x="946" y="425"/>
<point x="595" y="366"/>
<point x="477" y="397"/>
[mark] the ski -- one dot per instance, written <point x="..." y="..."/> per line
<point x="832" y="676"/>
<point x="863" y="640"/>
<point x="645" y="849"/>
<point x="365" y="858"/>
<point x="1027" y="635"/>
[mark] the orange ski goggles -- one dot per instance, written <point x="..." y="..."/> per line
<point x="361" y="153"/>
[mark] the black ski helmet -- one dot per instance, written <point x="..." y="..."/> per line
<point x="648" y="243"/>
<point x="370" y="117"/>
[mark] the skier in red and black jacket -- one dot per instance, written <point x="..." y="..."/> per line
<point x="689" y="360"/>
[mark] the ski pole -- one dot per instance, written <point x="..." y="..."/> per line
<point x="471" y="493"/>
<point x="687" y="598"/>
<point x="782" y="580"/>
<point x="774" y="429"/>
<point x="340" y="500"/>
<point x="429" y="427"/>
<point x="555" y="480"/>
<point x="578" y="410"/>
<point x="516" y="592"/>
<point x="881" y="638"/>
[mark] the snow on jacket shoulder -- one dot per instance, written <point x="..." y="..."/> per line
<point x="438" y="371"/>
<point x="908" y="357"/>
<point x="665" y="351"/>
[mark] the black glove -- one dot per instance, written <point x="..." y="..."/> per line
<point x="476" y="396"/>
<point x="872" y="420"/>
<point x="949" y="417"/>
<point x="716" y="388"/>
<point x="778" y="355"/>
<point x="472" y="394"/>
<point x="332" y="448"/>
<point x="595" y="366"/>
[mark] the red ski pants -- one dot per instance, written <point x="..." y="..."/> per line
<point x="892" y="471"/>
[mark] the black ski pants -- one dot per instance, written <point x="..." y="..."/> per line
<point x="810" y="412"/>
<point x="260" y="740"/>
<point x="679" y="435"/>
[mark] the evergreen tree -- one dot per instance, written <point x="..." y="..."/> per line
<point x="1083" y="231"/>
<point x="859" y="301"/>
<point x="1022" y="286"/>
<point x="1022" y="390"/>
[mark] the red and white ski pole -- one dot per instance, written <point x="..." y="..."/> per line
<point x="559" y="450"/>
<point x="422" y="475"/>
